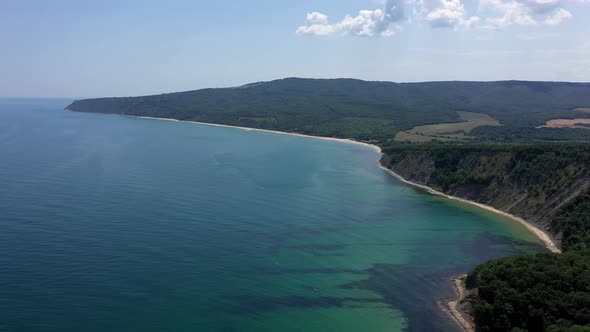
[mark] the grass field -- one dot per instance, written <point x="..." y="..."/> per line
<point x="448" y="131"/>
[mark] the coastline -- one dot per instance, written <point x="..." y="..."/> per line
<point x="343" y="140"/>
<point x="452" y="306"/>
<point x="539" y="233"/>
<point x="449" y="306"/>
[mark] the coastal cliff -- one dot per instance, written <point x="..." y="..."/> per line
<point x="531" y="182"/>
<point x="549" y="186"/>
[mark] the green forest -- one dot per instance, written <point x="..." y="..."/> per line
<point x="533" y="293"/>
<point x="367" y="111"/>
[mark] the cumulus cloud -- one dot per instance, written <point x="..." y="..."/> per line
<point x="367" y="23"/>
<point x="446" y="14"/>
<point x="492" y="15"/>
<point x="505" y="13"/>
<point x="559" y="16"/>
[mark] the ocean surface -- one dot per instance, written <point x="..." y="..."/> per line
<point x="111" y="223"/>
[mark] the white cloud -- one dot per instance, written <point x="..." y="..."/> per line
<point x="317" y="18"/>
<point x="446" y="14"/>
<point x="367" y="23"/>
<point x="505" y="13"/>
<point x="559" y="16"/>
<point x="491" y="15"/>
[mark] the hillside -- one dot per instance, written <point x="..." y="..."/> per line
<point x="530" y="181"/>
<point x="369" y="111"/>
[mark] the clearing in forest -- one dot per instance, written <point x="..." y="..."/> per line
<point x="567" y="123"/>
<point x="448" y="131"/>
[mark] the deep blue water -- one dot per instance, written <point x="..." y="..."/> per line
<point x="109" y="223"/>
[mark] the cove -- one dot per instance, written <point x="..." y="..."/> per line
<point x="115" y="223"/>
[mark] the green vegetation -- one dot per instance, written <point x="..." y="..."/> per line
<point x="527" y="135"/>
<point x="573" y="222"/>
<point x="533" y="293"/>
<point x="448" y="131"/>
<point x="546" y="292"/>
<point x="369" y="111"/>
<point x="529" y="180"/>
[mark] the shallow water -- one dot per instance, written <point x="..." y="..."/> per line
<point x="115" y="223"/>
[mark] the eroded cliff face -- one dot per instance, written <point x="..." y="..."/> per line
<point x="529" y="183"/>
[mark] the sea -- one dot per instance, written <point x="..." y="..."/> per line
<point x="114" y="223"/>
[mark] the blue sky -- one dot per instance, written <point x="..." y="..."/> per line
<point x="118" y="48"/>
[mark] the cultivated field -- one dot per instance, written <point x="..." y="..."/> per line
<point x="567" y="123"/>
<point x="448" y="131"/>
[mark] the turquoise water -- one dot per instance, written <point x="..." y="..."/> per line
<point x="110" y="223"/>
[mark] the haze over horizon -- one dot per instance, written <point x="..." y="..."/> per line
<point x="69" y="49"/>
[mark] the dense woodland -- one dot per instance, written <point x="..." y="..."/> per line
<point x="543" y="292"/>
<point x="533" y="293"/>
<point x="528" y="180"/>
<point x="517" y="167"/>
<point x="369" y="111"/>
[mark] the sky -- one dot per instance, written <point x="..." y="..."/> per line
<point x="72" y="48"/>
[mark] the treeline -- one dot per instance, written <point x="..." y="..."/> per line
<point x="573" y="222"/>
<point x="529" y="180"/>
<point x="368" y="111"/>
<point x="545" y="292"/>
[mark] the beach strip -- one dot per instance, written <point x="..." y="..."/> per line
<point x="542" y="235"/>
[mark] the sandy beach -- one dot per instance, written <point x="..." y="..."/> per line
<point x="343" y="140"/>
<point x="542" y="235"/>
<point x="452" y="307"/>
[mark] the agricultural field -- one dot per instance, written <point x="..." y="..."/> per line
<point x="567" y="123"/>
<point x="448" y="131"/>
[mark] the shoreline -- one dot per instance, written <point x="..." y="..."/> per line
<point x="539" y="233"/>
<point x="449" y="306"/>
<point x="334" y="139"/>
<point x="452" y="306"/>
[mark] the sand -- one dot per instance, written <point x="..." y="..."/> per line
<point x="542" y="235"/>
<point x="452" y="307"/>
<point x="343" y="140"/>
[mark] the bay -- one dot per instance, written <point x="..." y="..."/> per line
<point x="111" y="223"/>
